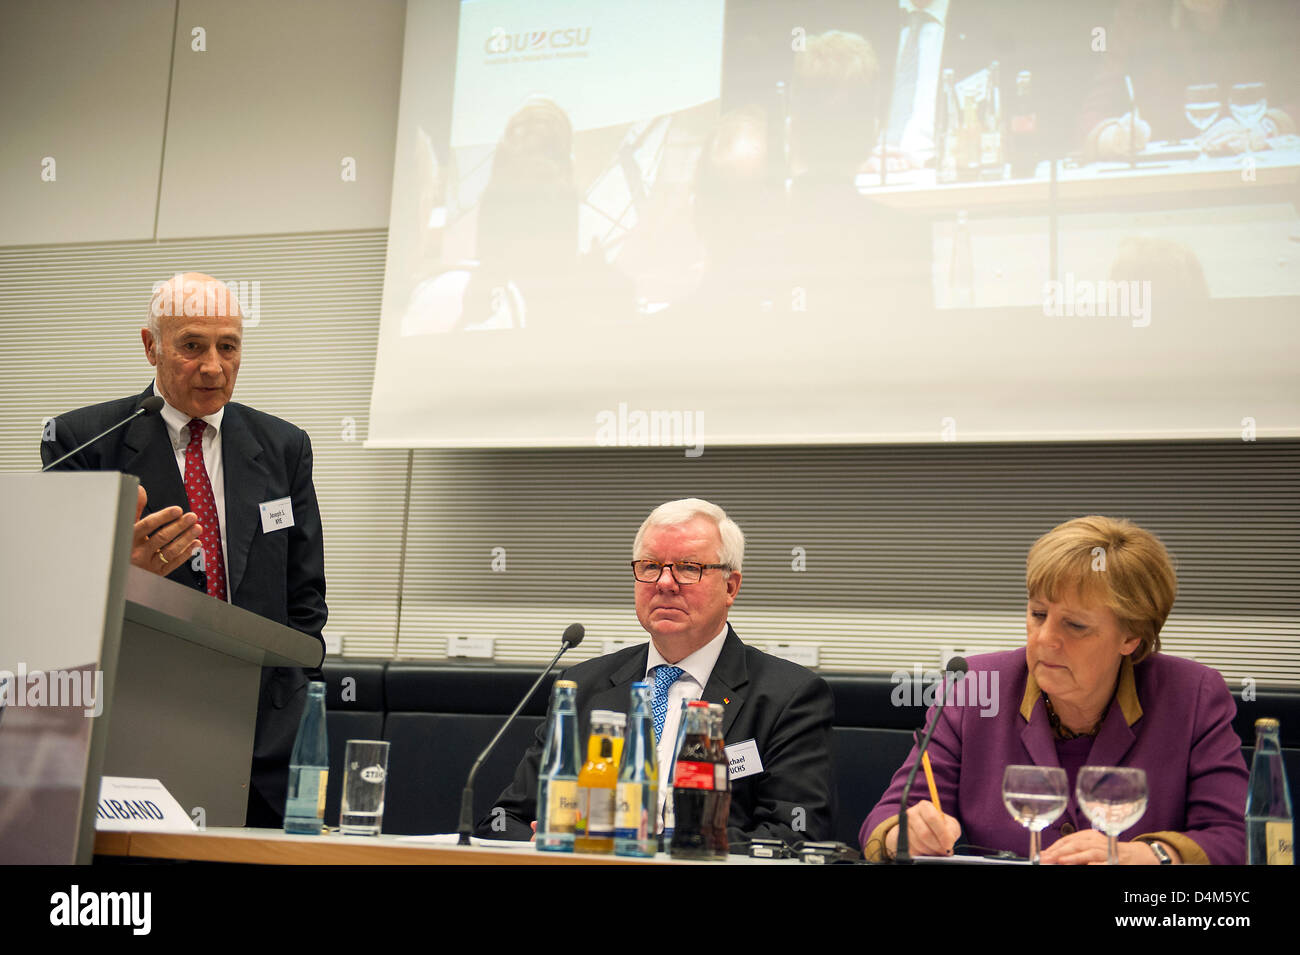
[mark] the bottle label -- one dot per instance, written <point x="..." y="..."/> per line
<point x="719" y="776"/>
<point x="630" y="813"/>
<point x="562" y="806"/>
<point x="693" y="775"/>
<point x="1278" y="840"/>
<point x="307" y="792"/>
<point x="990" y="149"/>
<point x="948" y="164"/>
<point x="595" y="817"/>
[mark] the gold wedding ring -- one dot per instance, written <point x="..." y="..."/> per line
<point x="161" y="557"/>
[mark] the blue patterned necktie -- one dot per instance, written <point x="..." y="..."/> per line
<point x="665" y="676"/>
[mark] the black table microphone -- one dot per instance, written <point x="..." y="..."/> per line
<point x="957" y="666"/>
<point x="151" y="405"/>
<point x="573" y="635"/>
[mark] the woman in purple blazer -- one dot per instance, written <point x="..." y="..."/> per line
<point x="1089" y="688"/>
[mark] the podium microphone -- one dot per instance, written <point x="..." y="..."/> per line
<point x="573" y="635"/>
<point x="151" y="405"/>
<point x="957" y="666"/>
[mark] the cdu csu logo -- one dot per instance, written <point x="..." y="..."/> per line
<point x="500" y="42"/>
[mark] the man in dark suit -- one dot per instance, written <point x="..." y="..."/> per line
<point x="205" y="465"/>
<point x="777" y="714"/>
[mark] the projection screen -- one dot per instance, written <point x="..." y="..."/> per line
<point x="690" y="222"/>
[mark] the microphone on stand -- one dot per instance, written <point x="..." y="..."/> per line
<point x="573" y="635"/>
<point x="150" y="405"/>
<point x="958" y="666"/>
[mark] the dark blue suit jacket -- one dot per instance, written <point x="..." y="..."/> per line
<point x="280" y="575"/>
<point x="786" y="709"/>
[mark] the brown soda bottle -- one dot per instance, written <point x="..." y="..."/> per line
<point x="721" y="784"/>
<point x="1024" y="130"/>
<point x="693" y="788"/>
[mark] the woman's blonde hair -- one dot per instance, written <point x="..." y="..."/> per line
<point x="1110" y="561"/>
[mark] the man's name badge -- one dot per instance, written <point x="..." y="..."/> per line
<point x="743" y="759"/>
<point x="276" y="515"/>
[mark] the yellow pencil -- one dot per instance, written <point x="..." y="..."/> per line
<point x="929" y="778"/>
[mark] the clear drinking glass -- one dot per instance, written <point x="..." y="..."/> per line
<point x="1113" y="798"/>
<point x="1201" y="106"/>
<point x="1248" y="102"/>
<point x="365" y="774"/>
<point x="1035" y="796"/>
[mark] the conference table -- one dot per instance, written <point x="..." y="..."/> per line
<point x="273" y="847"/>
<point x="1235" y="214"/>
<point x="1066" y="182"/>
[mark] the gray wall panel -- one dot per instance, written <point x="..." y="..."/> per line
<point x="85" y="83"/>
<point x="260" y="122"/>
<point x="907" y="549"/>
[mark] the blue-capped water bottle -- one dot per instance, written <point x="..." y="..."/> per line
<point x="309" y="767"/>
<point x="557" y="774"/>
<point x="636" y="800"/>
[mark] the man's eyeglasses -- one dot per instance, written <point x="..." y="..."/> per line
<point x="683" y="571"/>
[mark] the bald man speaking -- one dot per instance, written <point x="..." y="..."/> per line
<point x="205" y="465"/>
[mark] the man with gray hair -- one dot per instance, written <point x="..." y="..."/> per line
<point x="686" y="563"/>
<point x="208" y="467"/>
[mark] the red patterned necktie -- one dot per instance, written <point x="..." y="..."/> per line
<point x="199" y="491"/>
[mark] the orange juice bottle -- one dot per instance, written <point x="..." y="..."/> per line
<point x="593" y="829"/>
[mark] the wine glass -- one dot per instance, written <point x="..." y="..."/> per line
<point x="1201" y="106"/>
<point x="1035" y="796"/>
<point x="1113" y="798"/>
<point x="1248" y="102"/>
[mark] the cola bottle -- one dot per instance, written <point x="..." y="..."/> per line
<point x="694" y="775"/>
<point x="1024" y="130"/>
<point x="721" y="784"/>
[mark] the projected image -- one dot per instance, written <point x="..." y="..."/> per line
<point x="564" y="198"/>
<point x="838" y="220"/>
<point x="917" y="155"/>
<point x="1137" y="123"/>
<point x="1182" y="178"/>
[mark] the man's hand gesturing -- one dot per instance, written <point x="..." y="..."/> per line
<point x="163" y="541"/>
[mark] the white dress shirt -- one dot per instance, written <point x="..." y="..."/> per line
<point x="178" y="429"/>
<point x="698" y="667"/>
